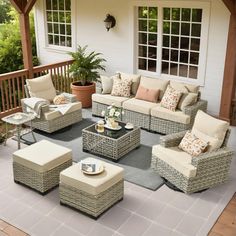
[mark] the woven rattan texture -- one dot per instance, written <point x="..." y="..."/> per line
<point x="93" y="205"/>
<point x="41" y="182"/>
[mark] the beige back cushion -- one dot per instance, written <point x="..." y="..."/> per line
<point x="153" y="83"/>
<point x="135" y="81"/>
<point x="182" y="86"/>
<point x="210" y="129"/>
<point x="41" y="87"/>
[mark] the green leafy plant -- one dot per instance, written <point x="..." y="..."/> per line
<point x="86" y="66"/>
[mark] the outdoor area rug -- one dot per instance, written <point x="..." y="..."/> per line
<point x="136" y="163"/>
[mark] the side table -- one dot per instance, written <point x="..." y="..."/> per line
<point x="18" y="119"/>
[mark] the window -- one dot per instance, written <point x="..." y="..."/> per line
<point x="147" y="34"/>
<point x="169" y="41"/>
<point x="58" y="18"/>
<point x="181" y="41"/>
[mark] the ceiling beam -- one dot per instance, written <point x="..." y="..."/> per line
<point x="29" y="6"/>
<point x="231" y="5"/>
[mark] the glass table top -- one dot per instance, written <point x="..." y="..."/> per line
<point x="115" y="134"/>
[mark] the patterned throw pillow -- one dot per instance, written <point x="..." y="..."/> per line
<point x="59" y="99"/>
<point x="121" y="87"/>
<point x="192" y="145"/>
<point x="171" y="98"/>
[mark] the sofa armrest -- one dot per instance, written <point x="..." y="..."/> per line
<point x="192" y="110"/>
<point x="99" y="87"/>
<point x="172" y="140"/>
<point x="212" y="158"/>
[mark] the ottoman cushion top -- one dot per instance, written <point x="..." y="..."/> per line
<point x="92" y="184"/>
<point x="42" y="156"/>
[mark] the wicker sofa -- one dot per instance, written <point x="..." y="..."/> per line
<point x="150" y="115"/>
<point x="193" y="174"/>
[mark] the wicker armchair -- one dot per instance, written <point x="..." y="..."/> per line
<point x="205" y="171"/>
<point x="51" y="120"/>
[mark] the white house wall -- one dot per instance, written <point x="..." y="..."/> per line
<point x="117" y="45"/>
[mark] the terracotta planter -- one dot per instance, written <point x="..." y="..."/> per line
<point x="83" y="93"/>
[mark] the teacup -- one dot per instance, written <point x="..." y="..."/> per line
<point x="129" y="126"/>
<point x="100" y="126"/>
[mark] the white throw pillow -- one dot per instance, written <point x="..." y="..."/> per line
<point x="107" y="83"/>
<point x="210" y="129"/>
<point x="41" y="87"/>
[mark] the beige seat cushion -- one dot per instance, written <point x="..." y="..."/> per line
<point x="42" y="156"/>
<point x="182" y="86"/>
<point x="210" y="130"/>
<point x="41" y="87"/>
<point x="52" y="113"/>
<point x="134" y="78"/>
<point x="166" y="114"/>
<point x="152" y="83"/>
<point x="92" y="184"/>
<point x="138" y="105"/>
<point x="176" y="158"/>
<point x="108" y="99"/>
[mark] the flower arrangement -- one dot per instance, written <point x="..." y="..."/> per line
<point x="112" y="112"/>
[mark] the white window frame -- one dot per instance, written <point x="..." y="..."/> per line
<point x="59" y="48"/>
<point x="205" y="6"/>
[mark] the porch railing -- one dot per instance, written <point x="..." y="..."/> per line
<point x="12" y="84"/>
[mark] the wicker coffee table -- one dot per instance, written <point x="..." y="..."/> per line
<point x="110" y="144"/>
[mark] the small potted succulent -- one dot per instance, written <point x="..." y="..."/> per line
<point x="85" y="70"/>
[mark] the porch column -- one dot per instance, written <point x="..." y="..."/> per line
<point x="23" y="7"/>
<point x="228" y="88"/>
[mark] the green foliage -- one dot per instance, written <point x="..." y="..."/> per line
<point x="85" y="67"/>
<point x="4" y="9"/>
<point x="11" y="57"/>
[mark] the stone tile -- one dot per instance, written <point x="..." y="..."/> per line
<point x="150" y="209"/>
<point x="170" y="217"/>
<point x="64" y="230"/>
<point x="205" y="204"/>
<point x="27" y="219"/>
<point x="156" y="229"/>
<point x="13" y="210"/>
<point x="114" y="217"/>
<point x="99" y="230"/>
<point x="31" y="198"/>
<point x="17" y="191"/>
<point x="5" y="201"/>
<point x="140" y="189"/>
<point x="45" y="227"/>
<point x="80" y="223"/>
<point x="45" y="206"/>
<point x="164" y="194"/>
<point x="183" y="201"/>
<point x="134" y="226"/>
<point x="132" y="200"/>
<point x="61" y="213"/>
<point x="190" y="225"/>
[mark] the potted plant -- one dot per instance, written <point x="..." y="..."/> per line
<point x="85" y="71"/>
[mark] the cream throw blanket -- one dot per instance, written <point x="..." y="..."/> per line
<point x="34" y="105"/>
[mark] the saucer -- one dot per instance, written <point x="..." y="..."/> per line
<point x="129" y="127"/>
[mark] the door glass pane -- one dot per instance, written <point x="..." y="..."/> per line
<point x="62" y="29"/>
<point x="193" y="70"/>
<point x="142" y="25"/>
<point x="183" y="56"/>
<point x="196" y="30"/>
<point x="54" y="5"/>
<point x="173" y="69"/>
<point x="56" y="40"/>
<point x="68" y="5"/>
<point x="152" y="26"/>
<point x="142" y="64"/>
<point x="62" y="17"/>
<point x="48" y="5"/>
<point x="165" y="67"/>
<point x="50" y="28"/>
<point x="186" y="12"/>
<point x="142" y="52"/>
<point x="142" y="12"/>
<point x="152" y="52"/>
<point x="197" y="15"/>
<point x="153" y="13"/>
<point x="152" y="39"/>
<point x="166" y="41"/>
<point x="165" y="54"/>
<point x="152" y="65"/>
<point x="175" y="14"/>
<point x="175" y="28"/>
<point x="68" y="29"/>
<point x="174" y="55"/>
<point x="68" y="41"/>
<point x="184" y="43"/>
<point x="194" y="58"/>
<point x="166" y="27"/>
<point x="174" y="42"/>
<point x="185" y="29"/>
<point x="183" y="70"/>
<point x="56" y="29"/>
<point x="49" y="16"/>
<point x="166" y="13"/>
<point x="142" y="38"/>
<point x="61" y="5"/>
<point x="195" y="44"/>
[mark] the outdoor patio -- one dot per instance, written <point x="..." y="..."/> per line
<point x="142" y="211"/>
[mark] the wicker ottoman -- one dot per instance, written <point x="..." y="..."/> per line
<point x="39" y="165"/>
<point x="91" y="194"/>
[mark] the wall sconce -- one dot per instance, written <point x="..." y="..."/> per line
<point x="110" y="22"/>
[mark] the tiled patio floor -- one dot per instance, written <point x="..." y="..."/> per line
<point x="142" y="212"/>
